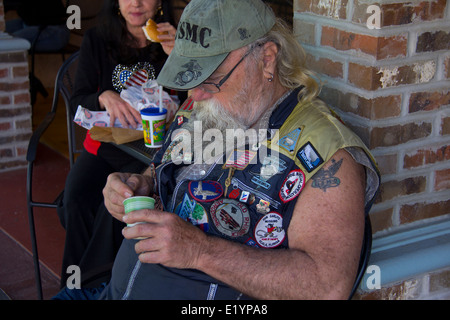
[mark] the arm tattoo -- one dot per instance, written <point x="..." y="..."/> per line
<point x="324" y="178"/>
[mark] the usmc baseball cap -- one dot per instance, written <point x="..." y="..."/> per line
<point x="207" y="32"/>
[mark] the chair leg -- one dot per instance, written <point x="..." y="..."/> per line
<point x="37" y="270"/>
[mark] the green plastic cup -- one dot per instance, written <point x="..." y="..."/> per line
<point x="138" y="203"/>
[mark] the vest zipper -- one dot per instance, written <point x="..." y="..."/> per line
<point x="235" y="182"/>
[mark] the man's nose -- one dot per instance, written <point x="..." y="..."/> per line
<point x="198" y="94"/>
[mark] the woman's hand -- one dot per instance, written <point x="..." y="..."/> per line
<point x="167" y="37"/>
<point x="119" y="109"/>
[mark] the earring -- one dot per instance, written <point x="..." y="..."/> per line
<point x="160" y="11"/>
<point x="271" y="77"/>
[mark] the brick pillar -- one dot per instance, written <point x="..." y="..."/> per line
<point x="15" y="109"/>
<point x="386" y="70"/>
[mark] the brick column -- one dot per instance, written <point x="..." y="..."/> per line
<point x="386" y="70"/>
<point x="15" y="109"/>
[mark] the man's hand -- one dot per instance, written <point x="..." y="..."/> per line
<point x="120" y="186"/>
<point x="170" y="240"/>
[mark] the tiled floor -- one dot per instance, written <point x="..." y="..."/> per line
<point x="16" y="265"/>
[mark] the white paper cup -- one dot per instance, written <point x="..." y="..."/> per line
<point x="154" y="125"/>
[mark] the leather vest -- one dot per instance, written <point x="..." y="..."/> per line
<point x="249" y="194"/>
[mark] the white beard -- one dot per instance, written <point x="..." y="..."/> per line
<point x="227" y="126"/>
<point x="210" y="122"/>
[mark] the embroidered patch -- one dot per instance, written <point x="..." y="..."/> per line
<point x="309" y="157"/>
<point x="292" y="185"/>
<point x="185" y="208"/>
<point x="193" y="212"/>
<point x="289" y="141"/>
<point x="269" y="232"/>
<point x="230" y="217"/>
<point x="199" y="217"/>
<point x="205" y="191"/>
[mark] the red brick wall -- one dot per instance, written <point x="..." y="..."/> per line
<point x="2" y="17"/>
<point x="391" y="84"/>
<point x="15" y="110"/>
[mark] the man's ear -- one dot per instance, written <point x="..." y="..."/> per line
<point x="269" y="59"/>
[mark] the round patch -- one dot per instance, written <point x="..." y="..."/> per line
<point x="230" y="217"/>
<point x="205" y="191"/>
<point x="292" y="185"/>
<point x="269" y="232"/>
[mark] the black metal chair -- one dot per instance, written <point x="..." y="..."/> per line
<point x="63" y="86"/>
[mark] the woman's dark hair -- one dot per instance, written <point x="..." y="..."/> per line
<point x="121" y="45"/>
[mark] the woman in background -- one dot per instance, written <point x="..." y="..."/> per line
<point x="109" y="53"/>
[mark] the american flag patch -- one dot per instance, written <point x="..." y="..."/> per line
<point x="239" y="159"/>
<point x="137" y="78"/>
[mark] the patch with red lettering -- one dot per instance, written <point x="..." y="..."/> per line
<point x="269" y="232"/>
<point x="292" y="185"/>
<point x="230" y="217"/>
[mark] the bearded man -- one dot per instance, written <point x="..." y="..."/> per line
<point x="280" y="215"/>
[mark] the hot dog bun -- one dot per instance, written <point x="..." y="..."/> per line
<point x="150" y="30"/>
